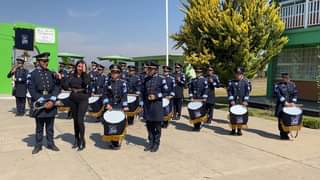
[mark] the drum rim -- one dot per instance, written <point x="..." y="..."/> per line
<point x="95" y="97"/>
<point x="238" y="114"/>
<point x="114" y="111"/>
<point x="195" y="103"/>
<point x="63" y="93"/>
<point x="288" y="108"/>
<point x="135" y="98"/>
<point x="165" y="101"/>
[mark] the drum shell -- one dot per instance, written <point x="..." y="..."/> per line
<point x="238" y="119"/>
<point x="65" y="102"/>
<point x="96" y="106"/>
<point x="168" y="109"/>
<point x="291" y="120"/>
<point x="134" y="105"/>
<point x="114" y="128"/>
<point x="194" y="114"/>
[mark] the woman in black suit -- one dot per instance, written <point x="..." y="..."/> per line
<point x="78" y="83"/>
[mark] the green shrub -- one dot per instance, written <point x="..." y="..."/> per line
<point x="311" y="122"/>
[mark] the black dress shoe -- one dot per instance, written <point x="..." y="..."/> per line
<point x="284" y="137"/>
<point x="36" y="149"/>
<point x="155" y="148"/>
<point x="148" y="147"/>
<point x="53" y="148"/>
<point x="239" y="133"/>
<point x="82" y="145"/>
<point x="76" y="143"/>
<point x="233" y="132"/>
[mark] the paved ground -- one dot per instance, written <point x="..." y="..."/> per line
<point x="210" y="154"/>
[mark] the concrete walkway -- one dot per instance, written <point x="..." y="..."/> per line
<point x="210" y="154"/>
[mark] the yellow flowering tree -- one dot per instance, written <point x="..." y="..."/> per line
<point x="231" y="33"/>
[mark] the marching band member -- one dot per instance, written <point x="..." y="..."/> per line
<point x="78" y="82"/>
<point x="44" y="91"/>
<point x="100" y="81"/>
<point x="213" y="82"/>
<point x="20" y="85"/>
<point x="287" y="95"/>
<point x="198" y="90"/>
<point x="93" y="77"/>
<point x="152" y="92"/>
<point x="178" y="91"/>
<point x="115" y="95"/>
<point x="134" y="87"/>
<point x="171" y="83"/>
<point x="238" y="93"/>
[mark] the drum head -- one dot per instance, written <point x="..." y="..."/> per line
<point x="63" y="95"/>
<point x="28" y="95"/>
<point x="131" y="99"/>
<point x="238" y="110"/>
<point x="113" y="117"/>
<point x="294" y="111"/>
<point x="165" y="102"/>
<point x="93" y="99"/>
<point x="195" y="105"/>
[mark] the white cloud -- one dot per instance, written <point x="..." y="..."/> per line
<point x="77" y="14"/>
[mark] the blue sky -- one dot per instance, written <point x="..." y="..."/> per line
<point x="101" y="27"/>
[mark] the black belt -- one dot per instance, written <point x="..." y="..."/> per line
<point x="78" y="90"/>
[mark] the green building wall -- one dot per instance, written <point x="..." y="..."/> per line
<point x="7" y="34"/>
<point x="298" y="38"/>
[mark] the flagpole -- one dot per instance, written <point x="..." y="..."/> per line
<point x="167" y="34"/>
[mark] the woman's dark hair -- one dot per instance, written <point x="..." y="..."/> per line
<point x="77" y="63"/>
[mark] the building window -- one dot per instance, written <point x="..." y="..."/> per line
<point x="301" y="63"/>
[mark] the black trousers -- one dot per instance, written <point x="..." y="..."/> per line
<point x="210" y="108"/>
<point x="177" y="106"/>
<point x="49" y="123"/>
<point x="21" y="105"/>
<point x="79" y="109"/>
<point x="282" y="132"/>
<point x="154" y="131"/>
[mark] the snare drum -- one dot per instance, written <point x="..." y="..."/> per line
<point x="166" y="109"/>
<point x="238" y="116"/>
<point x="63" y="98"/>
<point x="197" y="112"/>
<point x="133" y="103"/>
<point x="95" y="104"/>
<point x="29" y="99"/>
<point x="291" y="118"/>
<point x="114" y="125"/>
<point x="95" y="107"/>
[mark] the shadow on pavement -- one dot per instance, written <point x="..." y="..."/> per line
<point x="30" y="140"/>
<point x="263" y="133"/>
<point x="130" y="139"/>
<point x="96" y="138"/>
<point x="67" y="137"/>
<point x="181" y="126"/>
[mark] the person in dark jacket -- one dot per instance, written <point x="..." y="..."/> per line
<point x="152" y="93"/>
<point x="213" y="82"/>
<point x="178" y="91"/>
<point x="115" y="95"/>
<point x="169" y="94"/>
<point x="20" y="75"/>
<point x="78" y="84"/>
<point x="287" y="95"/>
<point x="44" y="91"/>
<point x="238" y="93"/>
<point x="198" y="90"/>
<point x="134" y="87"/>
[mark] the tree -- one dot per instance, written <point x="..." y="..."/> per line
<point x="231" y="33"/>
